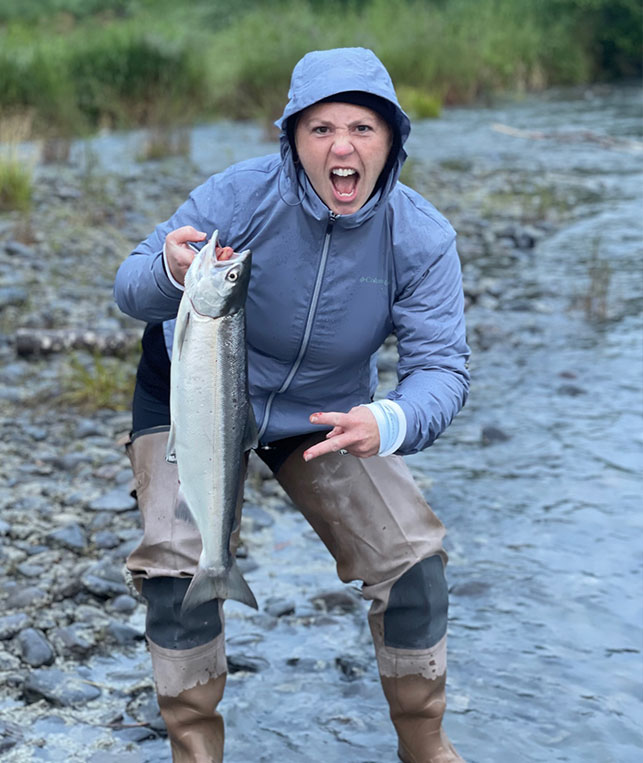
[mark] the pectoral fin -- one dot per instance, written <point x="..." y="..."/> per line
<point x="182" y="321"/>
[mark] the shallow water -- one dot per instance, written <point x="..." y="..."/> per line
<point x="544" y="527"/>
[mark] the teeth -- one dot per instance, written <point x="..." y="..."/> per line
<point x="343" y="172"/>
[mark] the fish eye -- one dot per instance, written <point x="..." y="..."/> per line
<point x="232" y="276"/>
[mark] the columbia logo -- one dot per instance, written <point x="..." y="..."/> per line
<point x="368" y="279"/>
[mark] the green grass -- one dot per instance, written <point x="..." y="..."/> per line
<point x="104" y="382"/>
<point x="78" y="65"/>
<point x="15" y="185"/>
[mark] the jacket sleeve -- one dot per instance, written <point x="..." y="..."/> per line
<point x="428" y="318"/>
<point x="142" y="288"/>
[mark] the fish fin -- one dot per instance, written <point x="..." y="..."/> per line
<point x="250" y="436"/>
<point x="170" y="451"/>
<point x="206" y="586"/>
<point x="181" y="329"/>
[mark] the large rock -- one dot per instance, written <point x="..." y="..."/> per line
<point x="58" y="688"/>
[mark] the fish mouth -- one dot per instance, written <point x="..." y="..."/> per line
<point x="344" y="181"/>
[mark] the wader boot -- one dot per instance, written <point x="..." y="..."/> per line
<point x="417" y="706"/>
<point x="187" y="651"/>
<point x="375" y="522"/>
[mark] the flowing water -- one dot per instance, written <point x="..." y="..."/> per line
<point x="538" y="479"/>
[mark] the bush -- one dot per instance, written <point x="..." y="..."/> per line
<point x="15" y="185"/>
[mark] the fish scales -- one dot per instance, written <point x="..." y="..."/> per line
<point x="212" y="424"/>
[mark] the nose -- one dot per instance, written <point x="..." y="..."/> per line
<point x="342" y="145"/>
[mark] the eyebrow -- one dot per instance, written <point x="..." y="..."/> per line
<point x="327" y="123"/>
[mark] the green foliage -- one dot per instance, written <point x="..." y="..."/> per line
<point x="419" y="104"/>
<point x="15" y="185"/>
<point x="81" y="64"/>
<point x="99" y="383"/>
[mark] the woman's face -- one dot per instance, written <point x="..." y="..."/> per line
<point x="342" y="148"/>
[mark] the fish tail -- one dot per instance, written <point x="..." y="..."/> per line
<point x="207" y="585"/>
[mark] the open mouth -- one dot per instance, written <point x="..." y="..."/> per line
<point x="344" y="181"/>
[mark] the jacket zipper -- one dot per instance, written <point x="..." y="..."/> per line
<point x="309" y="326"/>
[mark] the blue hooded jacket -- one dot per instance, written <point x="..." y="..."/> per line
<point x="326" y="290"/>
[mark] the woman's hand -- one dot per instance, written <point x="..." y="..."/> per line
<point x="355" y="432"/>
<point x="179" y="254"/>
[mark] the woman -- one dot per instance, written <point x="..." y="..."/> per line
<point x="343" y="255"/>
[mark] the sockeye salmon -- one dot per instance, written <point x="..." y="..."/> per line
<point x="212" y="423"/>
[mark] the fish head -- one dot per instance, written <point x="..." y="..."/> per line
<point x="218" y="287"/>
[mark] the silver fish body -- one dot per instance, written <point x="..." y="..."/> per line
<point x="212" y="424"/>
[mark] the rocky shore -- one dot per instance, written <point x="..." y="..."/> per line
<point x="74" y="678"/>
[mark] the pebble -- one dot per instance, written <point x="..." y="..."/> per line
<point x="279" y="607"/>
<point x="58" y="688"/>
<point x="35" y="649"/>
<point x="118" y="500"/>
<point x="124" y="604"/>
<point x="123" y="634"/>
<point x="71" y="536"/>
<point x="342" y="600"/>
<point x="492" y="435"/>
<point x="10" y="625"/>
<point x="22" y="598"/>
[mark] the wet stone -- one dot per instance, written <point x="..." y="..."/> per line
<point x="10" y="735"/>
<point x="58" y="688"/>
<point x="144" y="708"/>
<point x="12" y="624"/>
<point x="75" y="640"/>
<point x="35" y="649"/>
<point x="12" y="296"/>
<point x="87" y="428"/>
<point x="8" y="661"/>
<point x="123" y="634"/>
<point x="71" y="536"/>
<point x="18" y="249"/>
<point x="343" y="600"/>
<point x="492" y="435"/>
<point x="118" y="500"/>
<point x="124" y="604"/>
<point x="30" y="570"/>
<point x="238" y="663"/>
<point x="571" y="390"/>
<point x="106" y="539"/>
<point x="351" y="667"/>
<point x="32" y="596"/>
<point x="104" y="580"/>
<point x="255" y="519"/>
<point x="280" y="607"/>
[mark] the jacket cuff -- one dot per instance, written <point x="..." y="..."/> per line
<point x="168" y="272"/>
<point x="391" y="423"/>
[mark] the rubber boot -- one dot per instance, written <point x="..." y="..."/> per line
<point x="194" y="726"/>
<point x="417" y="706"/>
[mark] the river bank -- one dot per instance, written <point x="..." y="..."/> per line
<point x="538" y="480"/>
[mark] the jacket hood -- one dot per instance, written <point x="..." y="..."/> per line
<point x="324" y="73"/>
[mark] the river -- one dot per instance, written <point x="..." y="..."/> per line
<point x="539" y="479"/>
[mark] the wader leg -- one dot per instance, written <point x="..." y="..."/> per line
<point x="378" y="527"/>
<point x="187" y="651"/>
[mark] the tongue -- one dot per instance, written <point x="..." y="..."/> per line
<point x="345" y="185"/>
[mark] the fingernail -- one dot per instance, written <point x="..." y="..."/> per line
<point x="306" y="457"/>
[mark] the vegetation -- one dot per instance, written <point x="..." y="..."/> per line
<point x="97" y="382"/>
<point x="78" y="65"/>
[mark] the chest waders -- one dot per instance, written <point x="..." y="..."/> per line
<point x="374" y="521"/>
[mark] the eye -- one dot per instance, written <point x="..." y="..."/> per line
<point x="364" y="128"/>
<point x="320" y="130"/>
<point x="232" y="276"/>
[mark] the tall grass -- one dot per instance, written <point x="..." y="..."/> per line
<point x="82" y="64"/>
